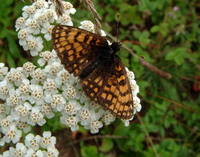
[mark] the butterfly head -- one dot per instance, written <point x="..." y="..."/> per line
<point x="116" y="46"/>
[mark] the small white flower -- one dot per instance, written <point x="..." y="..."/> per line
<point x="108" y="118"/>
<point x="64" y="77"/>
<point x="53" y="68"/>
<point x="65" y="20"/>
<point x="134" y="87"/>
<point x="28" y="11"/>
<point x="95" y="126"/>
<point x="23" y="126"/>
<point x="34" y="44"/>
<point x="70" y="121"/>
<point x="137" y="105"/>
<point x="36" y="94"/>
<point x="87" y="25"/>
<point x="13" y="134"/>
<point x="28" y="67"/>
<point x="51" y="152"/>
<point x="36" y="117"/>
<point x="50" y="86"/>
<point x="24" y="90"/>
<point x="85" y="116"/>
<point x="3" y="110"/>
<point x="14" y="98"/>
<point x="38" y="75"/>
<point x="103" y="33"/>
<point x="3" y="71"/>
<point x="6" y="123"/>
<point x="15" y="76"/>
<point x="33" y="26"/>
<point x="69" y="92"/>
<point x="32" y="141"/>
<point x="20" y="23"/>
<point x="34" y="153"/>
<point x="71" y="107"/>
<point x="47" y="31"/>
<point x="19" y="151"/>
<point x="57" y="102"/>
<point x="47" y="140"/>
<point x="68" y="8"/>
<point x="4" y="91"/>
<point x="41" y="4"/>
<point x="23" y="111"/>
<point x="47" y="110"/>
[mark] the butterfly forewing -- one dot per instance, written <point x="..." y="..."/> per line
<point x="107" y="85"/>
<point x="76" y="47"/>
<point x="110" y="87"/>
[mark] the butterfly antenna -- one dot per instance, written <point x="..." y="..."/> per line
<point x="117" y="17"/>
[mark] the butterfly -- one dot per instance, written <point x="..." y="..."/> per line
<point x="103" y="76"/>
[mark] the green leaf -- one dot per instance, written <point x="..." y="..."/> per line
<point x="89" y="151"/>
<point x="106" y="146"/>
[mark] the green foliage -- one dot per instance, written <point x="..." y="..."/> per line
<point x="167" y="34"/>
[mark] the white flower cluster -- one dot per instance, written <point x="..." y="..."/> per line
<point x="29" y="95"/>
<point x="36" y="24"/>
<point x="36" y="146"/>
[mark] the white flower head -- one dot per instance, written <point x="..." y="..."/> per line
<point x="47" y="31"/>
<point x="4" y="90"/>
<point x="3" y="71"/>
<point x="50" y="86"/>
<point x="20" y="23"/>
<point x="32" y="141"/>
<point x="65" y="20"/>
<point x="36" y="117"/>
<point x="39" y="4"/>
<point x="14" y="98"/>
<point x="47" y="111"/>
<point x="33" y="26"/>
<point x="28" y="11"/>
<point x="19" y="151"/>
<point x="23" y="111"/>
<point x="87" y="25"/>
<point x="36" y="94"/>
<point x="12" y="135"/>
<point x="68" y="8"/>
<point x="38" y="75"/>
<point x="69" y="92"/>
<point x="34" y="153"/>
<point x="71" y="107"/>
<point x="51" y="152"/>
<point x="34" y="45"/>
<point x="95" y="126"/>
<point x="24" y="126"/>
<point x="47" y="140"/>
<point x="6" y="123"/>
<point x="28" y="67"/>
<point x="108" y="118"/>
<point x="57" y="102"/>
<point x="70" y="121"/>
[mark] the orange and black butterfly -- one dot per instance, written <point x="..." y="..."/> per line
<point x="103" y="76"/>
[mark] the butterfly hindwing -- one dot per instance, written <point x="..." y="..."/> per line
<point x="76" y="47"/>
<point x="106" y="84"/>
<point x="111" y="89"/>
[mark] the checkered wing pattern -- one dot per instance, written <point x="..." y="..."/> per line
<point x="111" y="89"/>
<point x="76" y="47"/>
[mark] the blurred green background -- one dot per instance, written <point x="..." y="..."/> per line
<point x="165" y="33"/>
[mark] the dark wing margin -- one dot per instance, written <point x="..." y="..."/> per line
<point x="111" y="89"/>
<point x="76" y="48"/>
